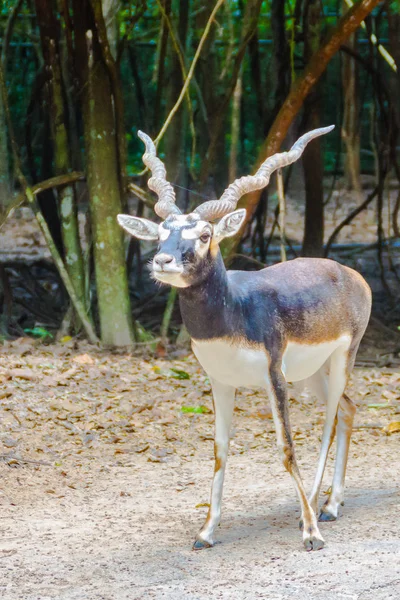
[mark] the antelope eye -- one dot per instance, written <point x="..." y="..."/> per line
<point x="205" y="237"/>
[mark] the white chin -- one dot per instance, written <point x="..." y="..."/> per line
<point x="174" y="279"/>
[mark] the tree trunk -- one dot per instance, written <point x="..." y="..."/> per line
<point x="351" y="126"/>
<point x="49" y="32"/>
<point x="5" y="179"/>
<point x="5" y="167"/>
<point x="175" y="134"/>
<point x="312" y="159"/>
<point x="280" y="62"/>
<point x="102" y="177"/>
<point x="235" y="127"/>
<point x="110" y="11"/>
<point x="216" y="150"/>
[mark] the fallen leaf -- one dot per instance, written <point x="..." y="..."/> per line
<point x="203" y="504"/>
<point x="83" y="359"/>
<point x="393" y="427"/>
<point x="198" y="410"/>
<point x="141" y="448"/>
<point x="179" y="374"/>
<point x="263" y="413"/>
<point x="22" y="374"/>
<point x="10" y="442"/>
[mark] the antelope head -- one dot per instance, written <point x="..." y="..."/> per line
<point x="188" y="244"/>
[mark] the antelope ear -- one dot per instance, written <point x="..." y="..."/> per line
<point x="230" y="224"/>
<point x="139" y="228"/>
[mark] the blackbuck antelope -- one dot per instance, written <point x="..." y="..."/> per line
<point x="299" y="321"/>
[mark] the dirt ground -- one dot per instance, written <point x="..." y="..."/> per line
<point x="105" y="471"/>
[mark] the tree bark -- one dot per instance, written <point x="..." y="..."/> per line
<point x="312" y="158"/>
<point x="50" y="39"/>
<point x="102" y="176"/>
<point x="280" y="62"/>
<point x="350" y="127"/>
<point x="175" y="135"/>
<point x="295" y="99"/>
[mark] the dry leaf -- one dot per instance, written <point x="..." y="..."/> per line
<point x="83" y="359"/>
<point x="141" y="448"/>
<point x="393" y="427"/>
<point x="22" y="374"/>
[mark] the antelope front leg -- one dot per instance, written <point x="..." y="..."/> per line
<point x="224" y="396"/>
<point x="277" y="389"/>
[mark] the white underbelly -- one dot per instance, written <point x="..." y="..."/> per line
<point x="239" y="366"/>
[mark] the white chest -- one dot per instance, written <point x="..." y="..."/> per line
<point x="239" y="366"/>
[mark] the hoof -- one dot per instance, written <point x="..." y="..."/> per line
<point x="325" y="517"/>
<point x="313" y="543"/>
<point x="201" y="545"/>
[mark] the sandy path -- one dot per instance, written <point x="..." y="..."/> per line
<point x="114" y="525"/>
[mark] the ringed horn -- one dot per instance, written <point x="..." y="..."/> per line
<point x="215" y="209"/>
<point x="157" y="182"/>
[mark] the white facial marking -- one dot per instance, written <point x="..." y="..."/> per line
<point x="195" y="232"/>
<point x="163" y="233"/>
<point x="171" y="278"/>
<point x="180" y="220"/>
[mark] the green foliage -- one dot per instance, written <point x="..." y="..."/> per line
<point x="40" y="332"/>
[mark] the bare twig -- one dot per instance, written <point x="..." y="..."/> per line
<point x="8" y="32"/>
<point x="178" y="50"/>
<point x="190" y="73"/>
<point x="139" y="12"/>
<point x="142" y="195"/>
<point x="53" y="182"/>
<point x="348" y="220"/>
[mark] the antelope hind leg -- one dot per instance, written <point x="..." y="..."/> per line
<point x="331" y="389"/>
<point x="346" y="412"/>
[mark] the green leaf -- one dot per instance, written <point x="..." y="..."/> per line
<point x="193" y="409"/>
<point x="40" y="332"/>
<point x="379" y="405"/>
<point x="179" y="374"/>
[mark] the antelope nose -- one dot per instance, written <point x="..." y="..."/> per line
<point x="163" y="259"/>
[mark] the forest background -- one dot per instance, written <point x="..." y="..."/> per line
<point x="220" y="86"/>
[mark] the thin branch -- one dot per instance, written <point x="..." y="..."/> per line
<point x="142" y="195"/>
<point x="178" y="50"/>
<point x="395" y="216"/>
<point x="53" y="182"/>
<point x="8" y="32"/>
<point x="348" y="220"/>
<point x="188" y="79"/>
<point x="139" y="12"/>
<point x="218" y="122"/>
<point x="374" y="41"/>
